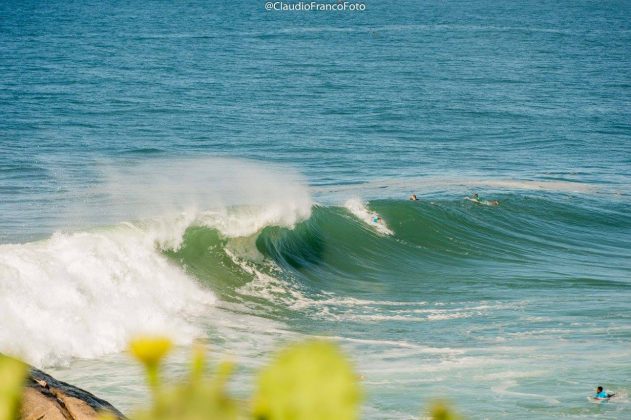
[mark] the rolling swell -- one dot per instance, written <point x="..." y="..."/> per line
<point x="433" y="244"/>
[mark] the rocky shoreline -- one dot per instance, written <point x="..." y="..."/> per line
<point x="46" y="398"/>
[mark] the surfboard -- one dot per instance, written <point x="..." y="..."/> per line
<point x="601" y="400"/>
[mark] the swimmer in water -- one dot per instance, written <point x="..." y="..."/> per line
<point x="413" y="197"/>
<point x="601" y="394"/>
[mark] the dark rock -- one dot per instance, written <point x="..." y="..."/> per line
<point x="46" y="398"/>
<point x="75" y="400"/>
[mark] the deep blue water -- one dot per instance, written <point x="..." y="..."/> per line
<point x="118" y="112"/>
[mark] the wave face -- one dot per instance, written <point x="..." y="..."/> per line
<point x="340" y="249"/>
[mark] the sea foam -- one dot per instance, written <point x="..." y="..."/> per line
<point x="86" y="294"/>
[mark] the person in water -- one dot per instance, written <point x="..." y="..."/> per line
<point x="413" y="197"/>
<point x="476" y="198"/>
<point x="601" y="394"/>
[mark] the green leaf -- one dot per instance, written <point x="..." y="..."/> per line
<point x="311" y="380"/>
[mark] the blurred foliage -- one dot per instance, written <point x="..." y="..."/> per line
<point x="305" y="381"/>
<point x="441" y="411"/>
<point x="311" y="380"/>
<point x="196" y="397"/>
<point x="308" y="381"/>
<point x="12" y="376"/>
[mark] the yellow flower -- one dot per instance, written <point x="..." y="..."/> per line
<point x="150" y="350"/>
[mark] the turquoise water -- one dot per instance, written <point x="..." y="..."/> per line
<point x="211" y="170"/>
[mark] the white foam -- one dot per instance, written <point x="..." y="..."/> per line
<point x="394" y="344"/>
<point x="360" y="211"/>
<point x="503" y="389"/>
<point x="267" y="286"/>
<point x="350" y="301"/>
<point x="245" y="221"/>
<point x="86" y="294"/>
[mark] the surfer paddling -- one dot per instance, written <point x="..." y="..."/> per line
<point x="476" y="199"/>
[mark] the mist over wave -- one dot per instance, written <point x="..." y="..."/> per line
<point x="83" y="294"/>
<point x="238" y="197"/>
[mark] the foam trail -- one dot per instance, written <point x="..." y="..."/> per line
<point x="359" y="210"/>
<point x="85" y="294"/>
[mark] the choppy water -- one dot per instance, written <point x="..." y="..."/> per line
<point x="212" y="170"/>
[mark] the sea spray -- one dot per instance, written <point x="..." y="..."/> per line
<point x="236" y="196"/>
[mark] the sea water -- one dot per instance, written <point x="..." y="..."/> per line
<point x="213" y="170"/>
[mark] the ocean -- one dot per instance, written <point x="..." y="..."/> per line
<point x="211" y="170"/>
